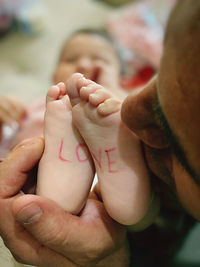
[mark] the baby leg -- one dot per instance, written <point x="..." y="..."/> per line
<point x="65" y="170"/>
<point x="116" y="151"/>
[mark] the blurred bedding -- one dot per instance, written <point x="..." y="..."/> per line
<point x="27" y="60"/>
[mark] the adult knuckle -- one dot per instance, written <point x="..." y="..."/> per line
<point x="55" y="237"/>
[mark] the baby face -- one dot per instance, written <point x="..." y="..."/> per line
<point x="89" y="54"/>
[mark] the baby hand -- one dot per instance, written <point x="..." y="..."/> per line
<point x="11" y="109"/>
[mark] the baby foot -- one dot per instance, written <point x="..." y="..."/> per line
<point x="116" y="151"/>
<point x="65" y="170"/>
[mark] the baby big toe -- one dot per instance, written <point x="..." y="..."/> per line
<point x="53" y="93"/>
<point x="63" y="89"/>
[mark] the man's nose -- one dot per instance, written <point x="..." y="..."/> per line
<point x="138" y="114"/>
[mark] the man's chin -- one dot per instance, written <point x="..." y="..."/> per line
<point x="159" y="162"/>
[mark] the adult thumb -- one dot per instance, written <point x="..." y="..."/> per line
<point x="45" y="220"/>
<point x="80" y="239"/>
<point x="15" y="168"/>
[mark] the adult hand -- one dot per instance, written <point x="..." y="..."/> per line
<point x="39" y="232"/>
<point x="14" y="171"/>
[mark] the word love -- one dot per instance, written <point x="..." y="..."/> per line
<point x="83" y="155"/>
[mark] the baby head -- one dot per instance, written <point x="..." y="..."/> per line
<point x="93" y="53"/>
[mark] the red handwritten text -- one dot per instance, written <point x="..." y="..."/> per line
<point x="60" y="152"/>
<point x="82" y="155"/>
<point x="81" y="146"/>
<point x="108" y="151"/>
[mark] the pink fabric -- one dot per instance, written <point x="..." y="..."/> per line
<point x="139" y="28"/>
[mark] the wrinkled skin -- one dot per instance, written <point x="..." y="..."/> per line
<point x="177" y="89"/>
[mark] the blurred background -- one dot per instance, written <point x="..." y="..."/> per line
<point x="32" y="33"/>
<point x="29" y="51"/>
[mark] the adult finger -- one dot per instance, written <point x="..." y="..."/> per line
<point x="14" y="169"/>
<point x="13" y="172"/>
<point x="83" y="239"/>
<point x="24" y="247"/>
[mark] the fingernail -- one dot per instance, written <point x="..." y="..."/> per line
<point x="24" y="143"/>
<point x="29" y="214"/>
